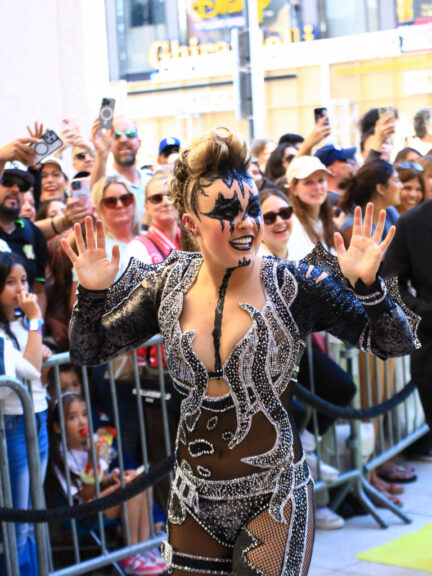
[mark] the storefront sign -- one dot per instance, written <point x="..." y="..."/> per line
<point x="221" y="14"/>
<point x="163" y="50"/>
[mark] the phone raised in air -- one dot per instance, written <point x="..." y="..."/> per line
<point x="106" y="113"/>
<point x="79" y="188"/>
<point x="48" y="143"/>
<point x="386" y="111"/>
<point x="319" y="113"/>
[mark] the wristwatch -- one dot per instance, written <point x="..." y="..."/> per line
<point x="35" y="325"/>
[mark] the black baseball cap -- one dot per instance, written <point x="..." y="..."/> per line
<point x="15" y="171"/>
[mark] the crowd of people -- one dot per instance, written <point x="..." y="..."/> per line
<point x="309" y="189"/>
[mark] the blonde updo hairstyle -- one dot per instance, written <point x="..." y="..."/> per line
<point x="214" y="155"/>
<point x="97" y="193"/>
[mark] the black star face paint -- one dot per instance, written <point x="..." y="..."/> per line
<point x="253" y="209"/>
<point x="225" y="209"/>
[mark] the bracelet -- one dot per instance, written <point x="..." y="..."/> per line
<point x="35" y="325"/>
<point x="53" y="226"/>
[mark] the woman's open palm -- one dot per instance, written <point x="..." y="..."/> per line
<point x="365" y="252"/>
<point x="95" y="271"/>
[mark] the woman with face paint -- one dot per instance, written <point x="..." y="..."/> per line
<point x="234" y="325"/>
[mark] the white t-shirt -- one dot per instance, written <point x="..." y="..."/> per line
<point x="24" y="370"/>
<point x="299" y="244"/>
<point x="76" y="461"/>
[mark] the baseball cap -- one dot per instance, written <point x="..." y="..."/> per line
<point x="329" y="154"/>
<point x="56" y="161"/>
<point x="170" y="141"/>
<point x="303" y="166"/>
<point x="19" y="171"/>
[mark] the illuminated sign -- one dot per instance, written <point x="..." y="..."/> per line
<point x="163" y="50"/>
<point x="207" y="9"/>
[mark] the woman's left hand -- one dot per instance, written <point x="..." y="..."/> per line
<point x="364" y="254"/>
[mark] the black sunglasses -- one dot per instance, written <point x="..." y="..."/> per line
<point x="82" y="155"/>
<point x="408" y="165"/>
<point x="128" y="133"/>
<point x="284" y="213"/>
<point x="157" y="198"/>
<point x="10" y="181"/>
<point x="125" y="199"/>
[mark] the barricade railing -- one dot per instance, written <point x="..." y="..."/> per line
<point x="105" y="553"/>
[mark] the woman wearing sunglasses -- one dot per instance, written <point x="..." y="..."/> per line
<point x="277" y="223"/>
<point x="413" y="188"/>
<point x="163" y="234"/>
<point x="312" y="220"/>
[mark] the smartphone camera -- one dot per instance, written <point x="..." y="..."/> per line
<point x="106" y="113"/>
<point x="47" y="144"/>
<point x="76" y="185"/>
<point x="319" y="113"/>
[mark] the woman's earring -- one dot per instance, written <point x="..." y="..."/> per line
<point x="194" y="233"/>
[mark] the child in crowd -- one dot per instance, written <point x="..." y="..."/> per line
<point x="82" y="475"/>
<point x="21" y="331"/>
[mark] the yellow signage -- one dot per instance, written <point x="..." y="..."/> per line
<point x="163" y="50"/>
<point x="206" y="9"/>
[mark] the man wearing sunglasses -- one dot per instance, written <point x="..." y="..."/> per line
<point x="21" y="235"/>
<point x="123" y="142"/>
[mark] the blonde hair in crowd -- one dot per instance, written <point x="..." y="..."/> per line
<point x="97" y="193"/>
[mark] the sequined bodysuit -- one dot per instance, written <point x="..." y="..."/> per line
<point x="241" y="499"/>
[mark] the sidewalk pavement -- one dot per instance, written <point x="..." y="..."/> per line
<point x="335" y="550"/>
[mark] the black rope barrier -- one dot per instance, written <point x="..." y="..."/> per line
<point x="335" y="411"/>
<point x="141" y="483"/>
<point x="161" y="469"/>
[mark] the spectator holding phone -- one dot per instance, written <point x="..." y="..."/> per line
<point x="122" y="140"/>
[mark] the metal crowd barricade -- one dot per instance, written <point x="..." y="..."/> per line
<point x="36" y="489"/>
<point x="394" y="431"/>
<point x="96" y="551"/>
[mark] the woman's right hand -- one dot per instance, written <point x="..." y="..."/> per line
<point x="29" y="305"/>
<point x="93" y="268"/>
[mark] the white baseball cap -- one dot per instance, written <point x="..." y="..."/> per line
<point x="304" y="166"/>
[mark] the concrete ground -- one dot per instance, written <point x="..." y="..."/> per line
<point x="335" y="550"/>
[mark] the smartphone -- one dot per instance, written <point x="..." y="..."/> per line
<point x="106" y="113"/>
<point x="386" y="110"/>
<point x="79" y="188"/>
<point x="48" y="143"/>
<point x="319" y="113"/>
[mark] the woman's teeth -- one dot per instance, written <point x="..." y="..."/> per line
<point x="242" y="243"/>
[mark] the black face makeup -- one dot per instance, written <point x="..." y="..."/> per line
<point x="227" y="209"/>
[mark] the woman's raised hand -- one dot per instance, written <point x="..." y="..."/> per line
<point x="365" y="252"/>
<point x="94" y="269"/>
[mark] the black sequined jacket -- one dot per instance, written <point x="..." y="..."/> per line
<point x="148" y="299"/>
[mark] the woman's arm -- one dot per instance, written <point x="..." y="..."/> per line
<point x="96" y="336"/>
<point x="33" y="351"/>
<point x="361" y="312"/>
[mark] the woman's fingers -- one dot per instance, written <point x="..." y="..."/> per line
<point x="100" y="233"/>
<point x="339" y="245"/>
<point x="357" y="227"/>
<point x="367" y="222"/>
<point x="90" y="237"/>
<point x="115" y="257"/>
<point x="387" y="240"/>
<point x="68" y="251"/>
<point x="79" y="239"/>
<point x="377" y="235"/>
